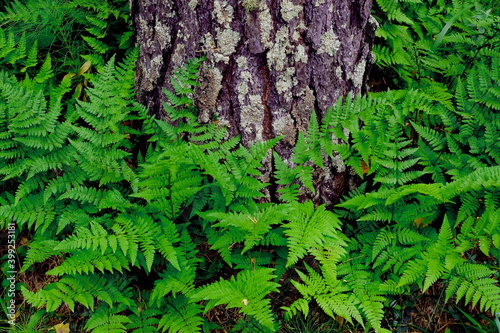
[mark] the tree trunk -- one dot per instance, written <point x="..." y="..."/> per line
<point x="270" y="63"/>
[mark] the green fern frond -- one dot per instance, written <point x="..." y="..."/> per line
<point x="82" y="289"/>
<point x="169" y="182"/>
<point x="245" y="291"/>
<point x="254" y="224"/>
<point x="310" y="228"/>
<point x="181" y="315"/>
<point x="39" y="251"/>
<point x="474" y="284"/>
<point x="45" y="72"/>
<point x="106" y="319"/>
<point x="144" y="318"/>
<point x="96" y="45"/>
<point x="31" y="211"/>
<point x="140" y="234"/>
<point x="178" y="280"/>
<point x="84" y="195"/>
<point x="88" y="261"/>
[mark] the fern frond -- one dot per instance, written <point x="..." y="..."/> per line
<point x="88" y="261"/>
<point x="254" y="224"/>
<point x="181" y="315"/>
<point x="39" y="251"/>
<point x="310" y="228"/>
<point x="178" y="280"/>
<point x="245" y="291"/>
<point x="106" y="319"/>
<point x="82" y="289"/>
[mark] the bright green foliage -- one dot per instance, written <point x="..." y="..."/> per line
<point x="82" y="289"/>
<point x="63" y="30"/>
<point x="118" y="197"/>
<point x="314" y="230"/>
<point x="246" y="291"/>
<point x="396" y="243"/>
<point x="181" y="315"/>
<point x="107" y="319"/>
<point x="429" y="159"/>
<point x="70" y="169"/>
<point x="426" y="41"/>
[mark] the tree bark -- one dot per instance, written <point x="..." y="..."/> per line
<point x="270" y="63"/>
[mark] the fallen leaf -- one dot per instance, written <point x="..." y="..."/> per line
<point x="61" y="328"/>
<point x="364" y="167"/>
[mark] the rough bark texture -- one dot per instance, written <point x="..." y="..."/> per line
<point x="270" y="63"/>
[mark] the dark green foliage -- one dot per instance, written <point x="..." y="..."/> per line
<point x="79" y="193"/>
<point x="398" y="158"/>
<point x="427" y="41"/>
<point x="246" y="291"/>
<point x="430" y="198"/>
<point x="65" y="31"/>
<point x="154" y="237"/>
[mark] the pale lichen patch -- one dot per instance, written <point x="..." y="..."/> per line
<point x="178" y="57"/>
<point x="147" y="30"/>
<point x="373" y="23"/>
<point x="338" y="72"/>
<point x="251" y="117"/>
<point x="251" y="5"/>
<point x="302" y="110"/>
<point x="152" y="72"/>
<point x="223" y="12"/>
<point x="277" y="55"/>
<point x="300" y="54"/>
<point x="285" y="83"/>
<point x="245" y="80"/>
<point x="162" y="34"/>
<point x="285" y="126"/>
<point x="337" y="160"/>
<point x="289" y="10"/>
<point x="242" y="62"/>
<point x="208" y="92"/>
<point x="193" y="4"/>
<point x="266" y="25"/>
<point x="330" y="43"/>
<point x="359" y="73"/>
<point x="301" y="27"/>
<point x="208" y="42"/>
<point x="242" y="87"/>
<point x="227" y="40"/>
<point x="247" y="76"/>
<point x="338" y="163"/>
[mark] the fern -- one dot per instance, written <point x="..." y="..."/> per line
<point x="181" y="316"/>
<point x="110" y="191"/>
<point x="106" y="319"/>
<point x="242" y="292"/>
<point x="144" y="318"/>
<point x="250" y="225"/>
<point x="333" y="297"/>
<point x="413" y="55"/>
<point x="311" y="228"/>
<point x="82" y="289"/>
<point x="180" y="279"/>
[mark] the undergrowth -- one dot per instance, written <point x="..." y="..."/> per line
<point x="160" y="236"/>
